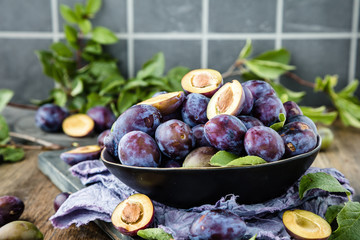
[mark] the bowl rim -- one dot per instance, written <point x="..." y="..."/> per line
<point x="215" y="168"/>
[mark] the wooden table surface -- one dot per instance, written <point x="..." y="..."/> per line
<point x="23" y="179"/>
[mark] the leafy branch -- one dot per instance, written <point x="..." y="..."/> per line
<point x="270" y="65"/>
<point x="87" y="76"/>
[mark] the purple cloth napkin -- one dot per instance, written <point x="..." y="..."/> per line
<point x="104" y="192"/>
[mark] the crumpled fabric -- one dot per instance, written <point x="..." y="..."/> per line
<point x="104" y="192"/>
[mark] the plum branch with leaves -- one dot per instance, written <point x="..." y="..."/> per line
<point x="270" y="65"/>
<point x="87" y="76"/>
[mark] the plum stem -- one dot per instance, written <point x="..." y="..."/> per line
<point x="45" y="144"/>
<point x="22" y="106"/>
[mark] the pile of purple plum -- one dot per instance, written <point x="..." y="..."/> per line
<point x="166" y="130"/>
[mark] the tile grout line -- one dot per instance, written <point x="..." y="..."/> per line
<point x="205" y="28"/>
<point x="130" y="37"/>
<point x="192" y="36"/>
<point x="55" y="20"/>
<point x="353" y="41"/>
<point x="279" y="23"/>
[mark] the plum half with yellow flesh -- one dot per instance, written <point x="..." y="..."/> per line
<point x="167" y="103"/>
<point x="229" y="99"/>
<point x="133" y="214"/>
<point x="78" y="125"/>
<point x="305" y="225"/>
<point x="203" y="81"/>
<point x="80" y="154"/>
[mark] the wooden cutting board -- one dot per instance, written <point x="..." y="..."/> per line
<point x="58" y="172"/>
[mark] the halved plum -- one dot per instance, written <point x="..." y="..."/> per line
<point x="199" y="157"/>
<point x="80" y="154"/>
<point x="133" y="214"/>
<point x="78" y="125"/>
<point x="305" y="225"/>
<point x="166" y="103"/>
<point x="203" y="81"/>
<point x="229" y="99"/>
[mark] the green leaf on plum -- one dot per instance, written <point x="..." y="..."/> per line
<point x="5" y="97"/>
<point x="246" y="50"/>
<point x="154" y="234"/>
<point x="246" y="161"/>
<point x="103" y="35"/>
<point x="277" y="126"/>
<point x="322" y="181"/>
<point x="348" y="221"/>
<point x="12" y="154"/>
<point x="222" y="158"/>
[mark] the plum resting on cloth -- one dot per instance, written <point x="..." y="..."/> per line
<point x="105" y="191"/>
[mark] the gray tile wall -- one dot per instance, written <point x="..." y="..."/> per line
<point x="322" y="35"/>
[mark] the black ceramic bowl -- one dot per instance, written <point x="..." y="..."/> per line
<point x="185" y="187"/>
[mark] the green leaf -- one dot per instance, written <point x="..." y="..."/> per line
<point x="106" y="68"/>
<point x="322" y="181"/>
<point x="70" y="34"/>
<point x="246" y="161"/>
<point x="79" y="11"/>
<point x="5" y="97"/>
<point x="93" y="48"/>
<point x="286" y="94"/>
<point x="152" y="68"/>
<point x="253" y="237"/>
<point x="174" y="77"/>
<point x="125" y="100"/>
<point x="68" y="14"/>
<point x="277" y="126"/>
<point x="93" y="6"/>
<point x="61" y="50"/>
<point x="59" y="96"/>
<point x="85" y="26"/>
<point x="280" y="56"/>
<point x="4" y="130"/>
<point x="11" y="154"/>
<point x="94" y="99"/>
<point x="221" y="158"/>
<point x="77" y="88"/>
<point x="319" y="114"/>
<point x="77" y="103"/>
<point x="46" y="59"/>
<point x="332" y="212"/>
<point x="113" y="83"/>
<point x="103" y="35"/>
<point x="134" y="84"/>
<point x="246" y="51"/>
<point x="349" y="90"/>
<point x="154" y="234"/>
<point x="348" y="221"/>
<point x="267" y="69"/>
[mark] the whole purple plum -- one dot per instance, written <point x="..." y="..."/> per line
<point x="145" y="118"/>
<point x="102" y="117"/>
<point x="194" y="109"/>
<point x="101" y="137"/>
<point x="259" y="88"/>
<point x="250" y="121"/>
<point x="11" y="208"/>
<point x="267" y="109"/>
<point x="137" y="148"/>
<point x="199" y="135"/>
<point x="174" y="115"/>
<point x="217" y="224"/>
<point x="292" y="109"/>
<point x="175" y="139"/>
<point x="60" y="199"/>
<point x="49" y="117"/>
<point x="298" y="138"/>
<point x="304" y="119"/>
<point x="264" y="142"/>
<point x="249" y="101"/>
<point x="226" y="132"/>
